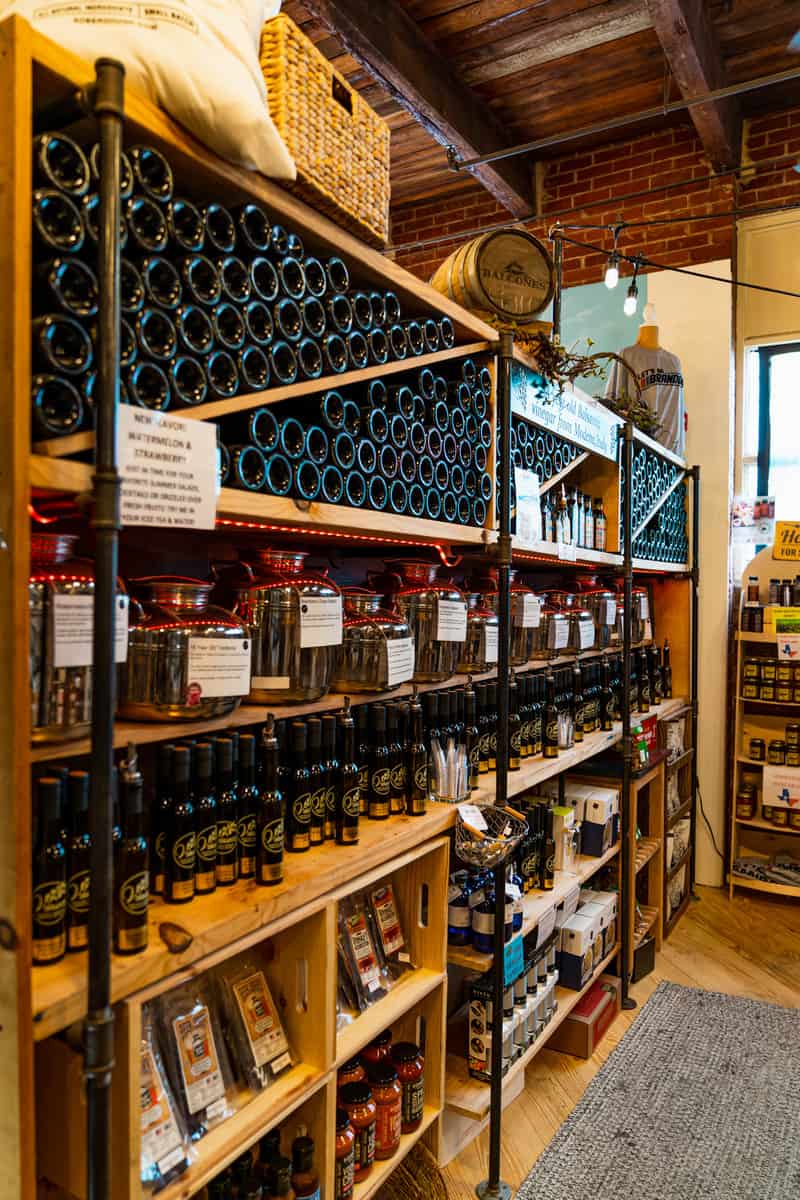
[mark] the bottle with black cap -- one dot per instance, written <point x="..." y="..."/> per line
<point x="318" y="781"/>
<point x="305" y="1179"/>
<point x="416" y="761"/>
<point x="298" y="802"/>
<point x="484" y="732"/>
<point x="205" y="810"/>
<point x="577" y="702"/>
<point x="550" y="719"/>
<point x="471" y="736"/>
<point x="79" y="848"/>
<point x="491" y="705"/>
<point x="227" y="816"/>
<point x="270" y="817"/>
<point x="346" y="776"/>
<point x="514" y="726"/>
<point x="49" y="877"/>
<point x="131" y="874"/>
<point x="397" y="763"/>
<point x="606" y="697"/>
<point x="249" y="795"/>
<point x="431" y="704"/>
<point x="362" y="756"/>
<point x="380" y="790"/>
<point x="159" y="817"/>
<point x="643" y="681"/>
<point x="180" y="840"/>
<point x="331" y="764"/>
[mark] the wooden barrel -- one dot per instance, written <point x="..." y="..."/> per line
<point x="508" y="272"/>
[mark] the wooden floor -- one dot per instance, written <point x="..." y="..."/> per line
<point x="748" y="947"/>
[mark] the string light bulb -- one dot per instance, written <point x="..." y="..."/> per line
<point x="631" y="300"/>
<point x="612" y="271"/>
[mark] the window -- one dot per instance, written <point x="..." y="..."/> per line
<point x="770" y="427"/>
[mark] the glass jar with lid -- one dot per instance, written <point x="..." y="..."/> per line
<point x="410" y="1066"/>
<point x="377" y="650"/>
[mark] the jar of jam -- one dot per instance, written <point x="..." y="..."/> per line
<point x="378" y="1051"/>
<point x="792" y="757"/>
<point x="746" y="802"/>
<point x="784" y="693"/>
<point x="780" y="817"/>
<point x="793" y="736"/>
<point x="411" y="1072"/>
<point x="767" y="692"/>
<point x="751" y="668"/>
<point x="794" y="818"/>
<point x="388" y="1097"/>
<point x="344" y="1182"/>
<point x="776" y="754"/>
<point x="351" y="1072"/>
<point x="750" y="690"/>
<point x="356" y="1100"/>
<point x="769" y="670"/>
<point x="785" y="673"/>
<point x="758" y="749"/>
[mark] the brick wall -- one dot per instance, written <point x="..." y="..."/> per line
<point x="606" y="173"/>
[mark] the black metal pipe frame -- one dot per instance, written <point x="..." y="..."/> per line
<point x="494" y="1188"/>
<point x="558" y="265"/>
<point x="695" y="664"/>
<point x="626" y="817"/>
<point x="99" y="1026"/>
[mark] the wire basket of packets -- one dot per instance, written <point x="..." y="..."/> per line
<point x="207" y="1047"/>
<point x="373" y="953"/>
<point x="487" y="834"/>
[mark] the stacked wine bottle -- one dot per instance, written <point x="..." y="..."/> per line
<point x="539" y="451"/>
<point x="215" y="301"/>
<point x="417" y="445"/>
<point x="664" y="538"/>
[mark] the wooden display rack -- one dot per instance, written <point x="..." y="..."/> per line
<point x="38" y="1004"/>
<point x="764" y="719"/>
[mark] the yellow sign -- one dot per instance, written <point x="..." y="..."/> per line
<point x="787" y="541"/>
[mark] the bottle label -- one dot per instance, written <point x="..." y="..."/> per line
<point x="198" y="1059"/>
<point x="260" y="1019"/>
<point x="345" y="1181"/>
<point x="247" y="835"/>
<point x="459" y="916"/>
<point x="421" y="778"/>
<point x="78" y="892"/>
<point x="134" y="894"/>
<point x="320" y="621"/>
<point x="227" y="838"/>
<point x="364" y="1146"/>
<point x="161" y="840"/>
<point x="552" y="732"/>
<point x="388" y="1127"/>
<point x="207" y="844"/>
<point x="398" y="778"/>
<point x="318" y="804"/>
<point x="351" y="802"/>
<point x="485" y="744"/>
<point x="482" y="922"/>
<point x="301" y="809"/>
<point x="387" y="918"/>
<point x="381" y="781"/>
<point x="413" y="1101"/>
<point x="516" y="743"/>
<point x="161" y="1137"/>
<point x="132" y="939"/>
<point x="272" y="837"/>
<point x="330" y="802"/>
<point x="476" y="897"/>
<point x="363" y="951"/>
<point x="184" y="851"/>
<point x="50" y="902"/>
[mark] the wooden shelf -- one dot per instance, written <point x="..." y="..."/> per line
<point x="383" y="1168"/>
<point x="219" y="409"/>
<point x="679" y="911"/>
<point x="407" y="991"/>
<point x="535" y="905"/>
<point x="661" y="568"/>
<point x="646" y="848"/>
<point x="671" y="871"/>
<point x="767" y="826"/>
<point x="548" y="551"/>
<point x="769" y="703"/>
<point x="683" y="811"/>
<point x="657" y="448"/>
<point x="470" y="1097"/>
<point x="642" y="929"/>
<point x="687" y="755"/>
<point x="769" y="637"/>
<point x="213" y="1153"/>
<point x="217" y="920"/>
<point x="761" y="885"/>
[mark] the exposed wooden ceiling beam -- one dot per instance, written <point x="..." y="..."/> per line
<point x="548" y="41"/>
<point x="382" y="37"/>
<point x="690" y="45"/>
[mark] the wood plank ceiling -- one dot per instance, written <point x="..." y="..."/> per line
<point x="546" y="67"/>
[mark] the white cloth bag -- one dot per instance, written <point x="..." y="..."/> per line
<point x="197" y="59"/>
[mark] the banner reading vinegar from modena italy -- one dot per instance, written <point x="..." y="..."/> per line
<point x="572" y="415"/>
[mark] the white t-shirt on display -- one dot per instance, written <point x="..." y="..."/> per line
<point x="661" y="380"/>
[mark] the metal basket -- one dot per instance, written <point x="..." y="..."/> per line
<point x="505" y="829"/>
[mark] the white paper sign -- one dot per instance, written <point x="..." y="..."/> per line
<point x="644" y="606"/>
<point x="472" y="815"/>
<point x="531" y="612"/>
<point x="217" y="666"/>
<point x="608" y="613"/>
<point x="400" y="660"/>
<point x="492" y="643"/>
<point x="547" y="923"/>
<point x="789" y="646"/>
<point x="781" y="786"/>
<point x="320" y="621"/>
<point x="529" y="507"/>
<point x="560" y="635"/>
<point x="451" y="623"/>
<point x="73" y="630"/>
<point x="566" y="552"/>
<point x="585" y="633"/>
<point x="169" y="469"/>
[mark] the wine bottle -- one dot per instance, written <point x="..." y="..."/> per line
<point x="379" y="798"/>
<point x="666" y="673"/>
<point x="378" y="306"/>
<point x="147" y="225"/>
<point x="264" y="279"/>
<point x="180" y="843"/>
<point x="227" y="816"/>
<point x="416" y="757"/>
<point x="229" y="327"/>
<point x="200" y="279"/>
<point x="160" y="817"/>
<point x="292" y="277"/>
<point x="338" y="275"/>
<point x="316" y="279"/>
<point x="280" y="242"/>
<point x="397" y="763"/>
<point x="152" y="174"/>
<point x="220" y="230"/>
<point x="253" y="228"/>
<point x="643" y="681"/>
<point x="347" y="781"/>
<point x="654" y="667"/>
<point x="491" y="700"/>
<point x="56" y="406"/>
<point x="58" y="224"/>
<point x="79" y="848"/>
<point x="49" y="936"/>
<point x="398" y="342"/>
<point x="131" y="865"/>
<point x="547" y="872"/>
<point x="340" y="313"/>
<point x="156" y="335"/>
<point x="355" y="488"/>
<point x="362" y="311"/>
<point x="391" y="305"/>
<point x="148" y="386"/>
<point x="362" y="758"/>
<point x="61" y="346"/>
<point x="298" y="803"/>
<point x="68" y="284"/>
<point x="471" y="734"/>
<point x="189" y="383"/>
<point x="234" y="278"/>
<point x="550" y="720"/>
<point x="59" y="162"/>
<point x="514" y="726"/>
<point x="332" y="484"/>
<point x="309" y="359"/>
<point x="249" y="795"/>
<point x="315" y="318"/>
<point x="205" y="809"/>
<point x="330" y="765"/>
<point x="253" y="366"/>
<point x="248" y="468"/>
<point x="270" y="818"/>
<point x="283" y="362"/>
<point x="357" y="350"/>
<point x="578" y="714"/>
<point x="318" y="781"/>
<point x="378" y="346"/>
<point x="223" y="377"/>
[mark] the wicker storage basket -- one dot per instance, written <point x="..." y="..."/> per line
<point x="417" y="1177"/>
<point x="340" y="146"/>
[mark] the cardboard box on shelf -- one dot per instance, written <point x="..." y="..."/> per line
<point x="581" y="1032"/>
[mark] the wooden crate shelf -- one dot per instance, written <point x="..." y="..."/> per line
<point x="650" y="917"/>
<point x="684" y="811"/>
<point x="762" y="885"/>
<point x="766" y="826"/>
<point x="645" y="849"/>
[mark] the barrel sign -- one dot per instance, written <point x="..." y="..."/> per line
<point x="508" y="273"/>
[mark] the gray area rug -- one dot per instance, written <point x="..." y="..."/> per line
<point x="700" y="1101"/>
